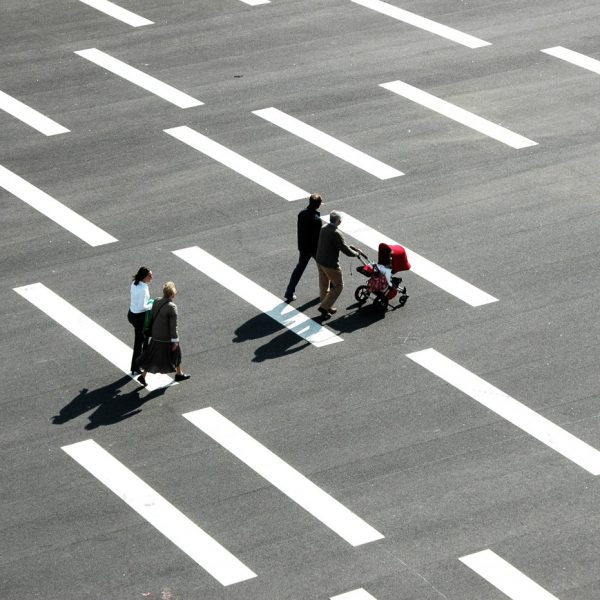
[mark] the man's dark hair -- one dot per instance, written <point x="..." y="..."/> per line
<point x="315" y="200"/>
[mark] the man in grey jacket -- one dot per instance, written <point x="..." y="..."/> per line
<point x="331" y="282"/>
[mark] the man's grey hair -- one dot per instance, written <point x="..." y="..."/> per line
<point x="335" y="216"/>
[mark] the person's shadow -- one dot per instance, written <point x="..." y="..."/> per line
<point x="264" y="324"/>
<point x="288" y="342"/>
<point x="111" y="405"/>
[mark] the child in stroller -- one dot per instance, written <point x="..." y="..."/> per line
<point x="383" y="283"/>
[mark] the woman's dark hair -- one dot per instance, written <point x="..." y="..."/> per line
<point x="142" y="273"/>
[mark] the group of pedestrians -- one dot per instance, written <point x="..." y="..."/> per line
<point x="156" y="346"/>
<point x="323" y="244"/>
<point x="156" y="341"/>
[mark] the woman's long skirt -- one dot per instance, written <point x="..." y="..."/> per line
<point x="159" y="358"/>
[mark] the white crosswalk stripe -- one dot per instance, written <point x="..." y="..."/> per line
<point x="326" y="142"/>
<point x="502" y="575"/>
<point x="423" y="23"/>
<point x="575" y="58"/>
<point x="30" y="116"/>
<point x="160" y="513"/>
<point x="87" y="330"/>
<point x="122" y="14"/>
<point x="510" y="409"/>
<point x="359" y="594"/>
<point x="53" y="209"/>
<point x="421" y="266"/>
<point x="460" y="115"/>
<point x="284" y="477"/>
<point x="139" y="78"/>
<point x="238" y="163"/>
<point x="265" y="301"/>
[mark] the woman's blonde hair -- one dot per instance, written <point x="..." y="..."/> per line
<point x="169" y="289"/>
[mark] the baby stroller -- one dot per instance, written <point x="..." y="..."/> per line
<point x="393" y="257"/>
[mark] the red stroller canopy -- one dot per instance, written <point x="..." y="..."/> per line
<point x="395" y="254"/>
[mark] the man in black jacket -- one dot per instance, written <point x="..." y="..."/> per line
<point x="309" y="226"/>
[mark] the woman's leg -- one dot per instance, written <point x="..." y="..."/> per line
<point x="137" y="321"/>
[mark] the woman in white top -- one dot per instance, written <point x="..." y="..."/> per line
<point x="139" y="304"/>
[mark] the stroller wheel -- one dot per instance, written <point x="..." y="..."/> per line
<point x="402" y="300"/>
<point x="380" y="303"/>
<point x="361" y="294"/>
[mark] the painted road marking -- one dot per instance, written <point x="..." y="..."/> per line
<point x="510" y="409"/>
<point x="284" y="477"/>
<point x="160" y="513"/>
<point x="581" y="60"/>
<point x="422" y="23"/>
<point x="359" y="594"/>
<point x="265" y="301"/>
<point x="497" y="132"/>
<point x="236" y="162"/>
<point x="328" y="143"/>
<point x="53" y="209"/>
<point x="147" y="82"/>
<point x="30" y="116"/>
<point x="419" y="265"/>
<point x="256" y="2"/>
<point x="122" y="14"/>
<point x="505" y="577"/>
<point x="88" y="331"/>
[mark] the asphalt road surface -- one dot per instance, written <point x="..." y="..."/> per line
<point x="448" y="450"/>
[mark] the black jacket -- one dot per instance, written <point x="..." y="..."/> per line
<point x="309" y="227"/>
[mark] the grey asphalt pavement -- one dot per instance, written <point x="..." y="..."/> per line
<point x="437" y="473"/>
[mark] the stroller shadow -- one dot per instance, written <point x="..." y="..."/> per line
<point x="355" y="320"/>
<point x="111" y="405"/>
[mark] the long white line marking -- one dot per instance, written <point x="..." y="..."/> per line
<point x="497" y="132"/>
<point x="328" y="143"/>
<point x="285" y="478"/>
<point x="359" y="594"/>
<point x="160" y="513"/>
<point x="252" y="293"/>
<point x="407" y="17"/>
<point x="505" y="577"/>
<point x="510" y="409"/>
<point x="236" y="162"/>
<point x="143" y="80"/>
<point x="581" y="60"/>
<point x="256" y="2"/>
<point x="122" y="14"/>
<point x="53" y="209"/>
<point x="30" y="116"/>
<point x="88" y="331"/>
<point x="419" y="265"/>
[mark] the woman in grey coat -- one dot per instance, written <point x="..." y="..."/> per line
<point x="163" y="354"/>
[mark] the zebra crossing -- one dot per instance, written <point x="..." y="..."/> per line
<point x="201" y="135"/>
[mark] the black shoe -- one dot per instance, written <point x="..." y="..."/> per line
<point x="182" y="376"/>
<point x="290" y="298"/>
<point x="332" y="311"/>
<point x="325" y="313"/>
<point x="142" y="381"/>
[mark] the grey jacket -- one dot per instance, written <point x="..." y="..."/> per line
<point x="331" y="241"/>
<point x="164" y="321"/>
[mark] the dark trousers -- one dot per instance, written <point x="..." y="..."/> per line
<point x="137" y="320"/>
<point x="297" y="272"/>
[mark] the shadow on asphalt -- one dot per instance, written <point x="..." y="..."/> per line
<point x="263" y="325"/>
<point x="288" y="342"/>
<point x="112" y="406"/>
